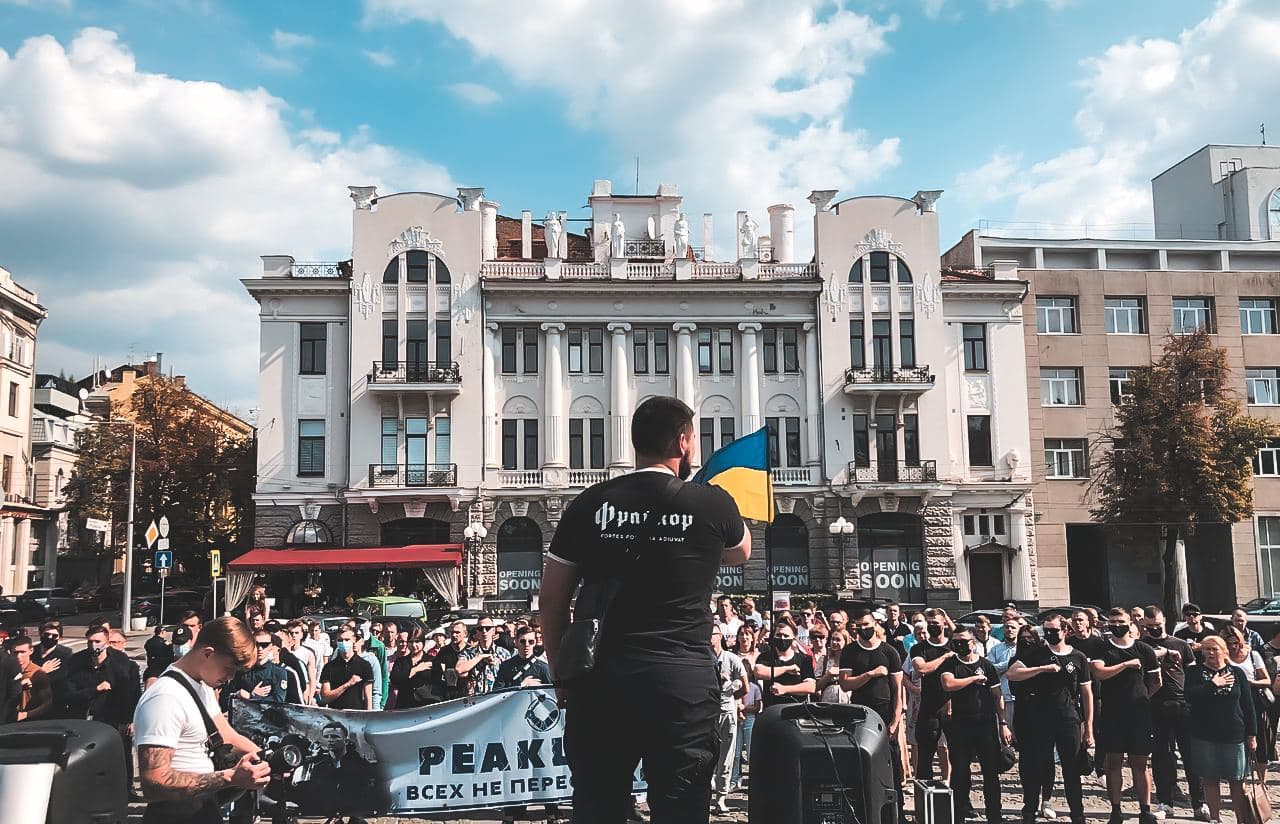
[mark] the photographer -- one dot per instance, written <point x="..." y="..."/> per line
<point x="174" y="733"/>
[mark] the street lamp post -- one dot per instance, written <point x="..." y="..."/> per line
<point x="126" y="596"/>
<point x="840" y="530"/>
<point x="473" y="535"/>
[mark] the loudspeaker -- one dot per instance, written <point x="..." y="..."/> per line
<point x="821" y="764"/>
<point x="87" y="776"/>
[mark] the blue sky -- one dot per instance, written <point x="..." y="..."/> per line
<point x="150" y="150"/>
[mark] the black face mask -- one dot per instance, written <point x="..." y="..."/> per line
<point x="1053" y="635"/>
<point x="961" y="647"/>
<point x="866" y="633"/>
<point x="1155" y="631"/>
<point x="49" y="641"/>
<point x="934" y="630"/>
<point x="781" y="644"/>
<point x="1118" y="630"/>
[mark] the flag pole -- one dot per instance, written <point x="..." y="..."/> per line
<point x="768" y="529"/>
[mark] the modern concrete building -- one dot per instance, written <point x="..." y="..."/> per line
<point x="465" y="374"/>
<point x="57" y="417"/>
<point x="1220" y="193"/>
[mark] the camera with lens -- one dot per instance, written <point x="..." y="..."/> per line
<point x="284" y="756"/>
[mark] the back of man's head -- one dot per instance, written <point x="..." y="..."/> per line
<point x="657" y="424"/>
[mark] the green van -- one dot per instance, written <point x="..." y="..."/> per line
<point x="391" y="606"/>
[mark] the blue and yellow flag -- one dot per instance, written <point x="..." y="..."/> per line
<point x="741" y="468"/>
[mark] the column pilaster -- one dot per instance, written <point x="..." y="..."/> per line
<point x="750" y="377"/>
<point x="489" y="395"/>
<point x="813" y="397"/>
<point x="619" y="398"/>
<point x="556" y="452"/>
<point x="684" y="361"/>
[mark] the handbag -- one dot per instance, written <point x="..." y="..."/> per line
<point x="580" y="645"/>
<point x="1266" y="697"/>
<point x="1258" y="806"/>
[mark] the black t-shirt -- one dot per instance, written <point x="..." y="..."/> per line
<point x="445" y="662"/>
<point x="660" y="611"/>
<point x="878" y="692"/>
<point x="1188" y="634"/>
<point x="1054" y="692"/>
<point x="975" y="700"/>
<point x="1087" y="646"/>
<point x="416" y="690"/>
<point x="932" y="696"/>
<point x="1172" y="666"/>
<point x="338" y="671"/>
<point x="894" y="636"/>
<point x="768" y="657"/>
<point x="1128" y="688"/>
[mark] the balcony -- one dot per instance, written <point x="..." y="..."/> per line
<point x="794" y="476"/>
<point x="519" y="478"/>
<point x="587" y="477"/>
<point x="318" y="269"/>
<point x="886" y="472"/>
<point x="396" y="476"/>
<point x="912" y="380"/>
<point x="429" y="375"/>
<point x="788" y="271"/>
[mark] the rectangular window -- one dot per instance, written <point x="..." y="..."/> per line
<point x="1257" y="316"/>
<point x="597" y="443"/>
<point x="586" y="443"/>
<point x="575" y="351"/>
<point x="661" y="352"/>
<point x="575" y="443"/>
<point x="595" y="350"/>
<point x="1065" y="458"/>
<point x="1192" y="314"/>
<point x="879" y="267"/>
<point x="1262" y="386"/>
<point x="861" y="441"/>
<point x="790" y="349"/>
<point x="313" y="338"/>
<point x="793" y="441"/>
<point x="1120" y="378"/>
<point x="1267" y="462"/>
<point x="390" y="442"/>
<point x="725" y="337"/>
<point x="1060" y="387"/>
<point x="444" y="440"/>
<point x="881" y="346"/>
<point x="770" y="348"/>
<point x="1056" y="316"/>
<point x="390" y="344"/>
<point x="704" y="351"/>
<point x="771" y="433"/>
<point x="444" y="342"/>
<point x="911" y="440"/>
<point x="728" y="431"/>
<point x="1269" y="554"/>
<point x="857" y="344"/>
<point x="907" y="342"/>
<point x="640" y="351"/>
<point x="416" y="267"/>
<point x="415" y="449"/>
<point x="509" y="349"/>
<point x="416" y="354"/>
<point x="706" y="437"/>
<point x="6" y="475"/>
<point x="310" y="448"/>
<point x="1126" y="316"/>
<point x="530" y="365"/>
<point x="510" y="442"/>
<point x="980" y="440"/>
<point x="531" y="460"/>
<point x="13" y="399"/>
<point x="974" y="336"/>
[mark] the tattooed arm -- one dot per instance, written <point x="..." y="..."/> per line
<point x="161" y="782"/>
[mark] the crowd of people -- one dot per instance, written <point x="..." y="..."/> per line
<point x="1079" y="693"/>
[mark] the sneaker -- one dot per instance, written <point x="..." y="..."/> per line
<point x="1047" y="812"/>
<point x="1117" y="816"/>
<point x="722" y="806"/>
<point x="1202" y="812"/>
<point x="1160" y="811"/>
<point x="1148" y="817"/>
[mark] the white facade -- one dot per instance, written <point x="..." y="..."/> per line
<point x="1220" y="193"/>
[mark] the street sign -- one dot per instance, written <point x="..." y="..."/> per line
<point x="97" y="525"/>
<point x="164" y="559"/>
<point x="215" y="562"/>
<point x="164" y="526"/>
<point x="151" y="534"/>
<point x="163" y="543"/>
<point x="163" y="572"/>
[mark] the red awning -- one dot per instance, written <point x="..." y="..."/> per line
<point x="387" y="557"/>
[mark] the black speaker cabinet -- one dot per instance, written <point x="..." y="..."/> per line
<point x="88" y="784"/>
<point x="821" y="764"/>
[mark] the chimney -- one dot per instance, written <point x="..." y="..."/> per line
<point x="526" y="236"/>
<point x="160" y="363"/>
<point x="782" y="232"/>
<point x="489" y="229"/>
<point x="180" y="381"/>
<point x="708" y="250"/>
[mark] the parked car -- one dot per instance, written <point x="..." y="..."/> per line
<point x="47" y="602"/>
<point x="92" y="597"/>
<point x="1064" y="611"/>
<point x="176" y="602"/>
<point x="996" y="617"/>
<point x="391" y="606"/>
<point x="11" y="620"/>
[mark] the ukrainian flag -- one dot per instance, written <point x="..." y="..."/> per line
<point x="741" y="468"/>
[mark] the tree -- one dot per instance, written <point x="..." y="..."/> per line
<point x="1181" y="454"/>
<point x="189" y="468"/>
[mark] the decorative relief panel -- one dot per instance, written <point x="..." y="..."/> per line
<point x="878" y="240"/>
<point x="416" y="238"/>
<point x="978" y="393"/>
<point x="366" y="295"/>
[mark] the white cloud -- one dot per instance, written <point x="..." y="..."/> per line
<point x="474" y="93"/>
<point x="742" y="103"/>
<point x="133" y="209"/>
<point x="291" y="40"/>
<point x="276" y="63"/>
<point x="933" y="8"/>
<point x="60" y="5"/>
<point x="1149" y="103"/>
<point x="383" y="58"/>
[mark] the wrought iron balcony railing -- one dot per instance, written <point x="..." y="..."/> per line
<point x="894" y="473"/>
<point x="403" y="475"/>
<point x="921" y="375"/>
<point x="415" y="372"/>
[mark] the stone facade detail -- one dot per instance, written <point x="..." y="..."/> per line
<point x="939" y="552"/>
<point x="1029" y="546"/>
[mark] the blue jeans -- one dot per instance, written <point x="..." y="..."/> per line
<point x="747" y="724"/>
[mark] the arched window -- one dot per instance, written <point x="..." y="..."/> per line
<point x="1273" y="214"/>
<point x="788" y="539"/>
<point x="419" y="267"/>
<point x="880" y="267"/>
<point x="519" y="535"/>
<point x="891" y="557"/>
<point x="308" y="533"/>
<point x="391" y="274"/>
<point x="406" y="531"/>
<point x="519" y="558"/>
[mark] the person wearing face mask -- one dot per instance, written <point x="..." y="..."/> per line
<point x="977" y="724"/>
<point x="1169" y="714"/>
<point x="661" y="541"/>
<point x="159" y="655"/>
<point x="53" y="657"/>
<point x="871" y="671"/>
<point x="179" y="779"/>
<point x="1056" y="713"/>
<point x="927" y="659"/>
<point x="103" y="685"/>
<point x="785" y="671"/>
<point x="346" y="683"/>
<point x="1129" y="673"/>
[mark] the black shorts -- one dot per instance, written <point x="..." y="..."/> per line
<point x="1124" y="730"/>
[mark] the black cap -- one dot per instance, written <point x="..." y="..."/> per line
<point x="1009" y="605"/>
<point x="1190" y="609"/>
<point x="273" y="626"/>
<point x="181" y="635"/>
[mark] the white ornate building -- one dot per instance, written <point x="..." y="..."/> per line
<point x="465" y="368"/>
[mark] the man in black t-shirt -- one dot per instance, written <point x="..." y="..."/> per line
<point x="1196" y="630"/>
<point x="1169" y="713"/>
<point x="1055" y="711"/>
<point x="444" y="673"/>
<point x="1129" y="673"/>
<point x="346" y="683"/>
<point x="927" y="658"/>
<point x="976" y="726"/>
<point x="871" y="671"/>
<point x="662" y="542"/>
<point x="896" y="628"/>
